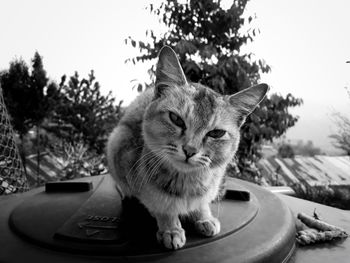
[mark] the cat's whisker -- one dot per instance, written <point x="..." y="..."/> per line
<point x="171" y="147"/>
<point x="140" y="171"/>
<point x="153" y="160"/>
<point x="155" y="169"/>
<point x="151" y="170"/>
<point x="147" y="169"/>
<point x="205" y="159"/>
<point x="152" y="164"/>
<point x="201" y="161"/>
<point x="171" y="150"/>
<point x="137" y="164"/>
<point x="203" y="164"/>
<point x="142" y="146"/>
<point x="142" y="161"/>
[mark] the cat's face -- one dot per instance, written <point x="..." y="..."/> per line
<point x="189" y="125"/>
<point x="192" y="127"/>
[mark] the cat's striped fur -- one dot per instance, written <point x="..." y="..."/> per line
<point x="172" y="146"/>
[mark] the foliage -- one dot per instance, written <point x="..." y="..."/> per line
<point x="73" y="114"/>
<point x="269" y="121"/>
<point x="25" y="93"/>
<point x="75" y="111"/>
<point x="78" y="161"/>
<point x="208" y="40"/>
<point x="306" y="149"/>
<point x="82" y="113"/>
<point x="27" y="98"/>
<point x="289" y="150"/>
<point x="335" y="195"/>
<point x="250" y="172"/>
<point x="286" y="151"/>
<point x="341" y="139"/>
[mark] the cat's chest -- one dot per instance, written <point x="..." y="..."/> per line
<point x="182" y="185"/>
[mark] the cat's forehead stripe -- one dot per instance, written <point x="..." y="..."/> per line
<point x="204" y="107"/>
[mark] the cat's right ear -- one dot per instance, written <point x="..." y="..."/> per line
<point x="247" y="100"/>
<point x="168" y="71"/>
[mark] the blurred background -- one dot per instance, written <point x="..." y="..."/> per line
<point x="68" y="69"/>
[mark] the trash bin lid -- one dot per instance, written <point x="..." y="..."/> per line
<point x="90" y="218"/>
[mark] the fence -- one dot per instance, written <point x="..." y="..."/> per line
<point x="12" y="173"/>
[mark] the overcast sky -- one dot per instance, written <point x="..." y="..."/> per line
<point x="305" y="42"/>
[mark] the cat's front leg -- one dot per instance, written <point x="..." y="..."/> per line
<point x="170" y="232"/>
<point x="204" y="222"/>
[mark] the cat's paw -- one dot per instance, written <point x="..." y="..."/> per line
<point x="208" y="227"/>
<point x="172" y="239"/>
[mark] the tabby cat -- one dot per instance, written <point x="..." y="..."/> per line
<point x="172" y="146"/>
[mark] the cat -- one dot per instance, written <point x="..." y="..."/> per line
<point x="171" y="148"/>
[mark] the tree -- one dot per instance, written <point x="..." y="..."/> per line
<point x="82" y="113"/>
<point x="25" y="93"/>
<point x="286" y="151"/>
<point x="26" y="98"/>
<point x="341" y="139"/>
<point x="15" y="83"/>
<point x="39" y="82"/>
<point x="208" y="40"/>
<point x="289" y="150"/>
<point x="306" y="149"/>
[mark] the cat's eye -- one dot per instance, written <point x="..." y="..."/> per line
<point x="176" y="120"/>
<point x="216" y="133"/>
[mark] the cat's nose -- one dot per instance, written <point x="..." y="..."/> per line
<point x="189" y="151"/>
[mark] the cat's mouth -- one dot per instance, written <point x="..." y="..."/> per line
<point x="186" y="164"/>
<point x="183" y="163"/>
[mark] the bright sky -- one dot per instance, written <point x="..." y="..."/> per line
<point x="305" y="42"/>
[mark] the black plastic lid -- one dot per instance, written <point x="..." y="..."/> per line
<point x="256" y="225"/>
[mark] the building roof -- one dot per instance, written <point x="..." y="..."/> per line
<point x="317" y="170"/>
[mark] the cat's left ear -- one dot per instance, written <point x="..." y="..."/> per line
<point x="247" y="100"/>
<point x="168" y="70"/>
